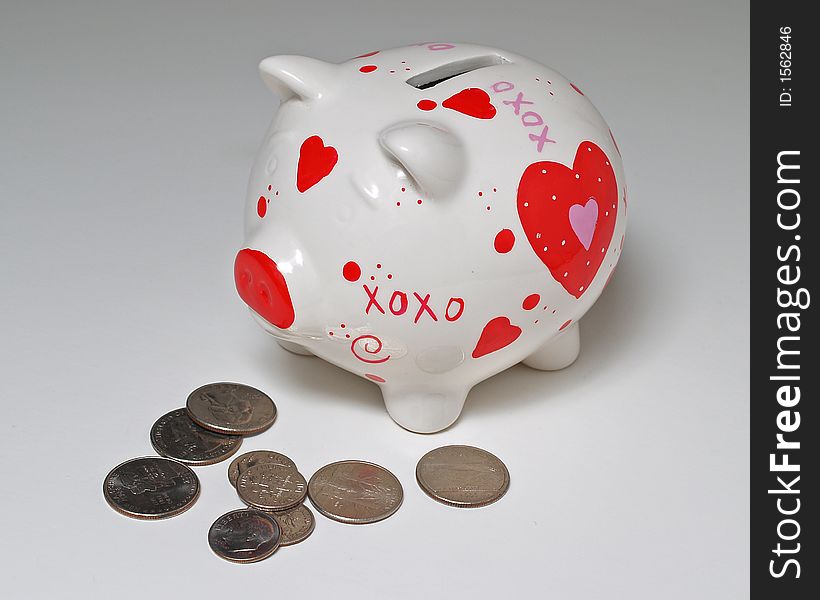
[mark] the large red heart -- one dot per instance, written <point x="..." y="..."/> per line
<point x="316" y="161"/>
<point x="473" y="102"/>
<point x="569" y="215"/>
<point x="497" y="333"/>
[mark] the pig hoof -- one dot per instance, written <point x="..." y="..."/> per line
<point x="558" y="353"/>
<point x="424" y="411"/>
<point x="294" y="348"/>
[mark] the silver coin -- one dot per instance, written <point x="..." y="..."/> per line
<point x="151" y="488"/>
<point x="241" y="463"/>
<point x="462" y="476"/>
<point x="354" y="491"/>
<point x="296" y="524"/>
<point x="271" y="487"/>
<point x="231" y="408"/>
<point x="174" y="435"/>
<point x="244" y="536"/>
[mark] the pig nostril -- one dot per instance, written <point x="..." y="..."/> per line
<point x="264" y="294"/>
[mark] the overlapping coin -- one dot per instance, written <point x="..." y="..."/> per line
<point x="271" y="487"/>
<point x="244" y="536"/>
<point x="175" y="436"/>
<point x="354" y="491"/>
<point x="296" y="524"/>
<point x="462" y="476"/>
<point x="231" y="408"/>
<point x="151" y="488"/>
<point x="241" y="463"/>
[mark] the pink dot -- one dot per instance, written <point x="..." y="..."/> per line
<point x="531" y="301"/>
<point x="375" y="378"/>
<point x="352" y="271"/>
<point x="368" y="68"/>
<point x="426" y="104"/>
<point x="504" y="241"/>
<point x="566" y="324"/>
<point x="261" y="206"/>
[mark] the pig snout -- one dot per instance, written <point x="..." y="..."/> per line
<point x="263" y="287"/>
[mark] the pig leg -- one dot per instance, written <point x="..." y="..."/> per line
<point x="559" y="352"/>
<point x="424" y="410"/>
<point x="294" y="348"/>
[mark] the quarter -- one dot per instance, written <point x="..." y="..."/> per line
<point x="174" y="435"/>
<point x="462" y="476"/>
<point x="231" y="408"/>
<point x="354" y="491"/>
<point x="151" y="488"/>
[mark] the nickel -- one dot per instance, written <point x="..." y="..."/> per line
<point x="462" y="476"/>
<point x="151" y="488"/>
<point x="241" y="463"/>
<point x="354" y="491"/>
<point x="271" y="487"/>
<point x="231" y="408"/>
<point x="174" y="435"/>
<point x="244" y="536"/>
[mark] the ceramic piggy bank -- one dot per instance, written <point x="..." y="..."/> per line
<point x="428" y="216"/>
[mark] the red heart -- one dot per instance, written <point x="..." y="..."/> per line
<point x="546" y="193"/>
<point x="473" y="102"/>
<point x="316" y="161"/>
<point x="497" y="334"/>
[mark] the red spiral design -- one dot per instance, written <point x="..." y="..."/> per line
<point x="367" y="348"/>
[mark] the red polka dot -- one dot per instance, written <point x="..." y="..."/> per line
<point x="531" y="301"/>
<point x="270" y="187"/>
<point x="352" y="271"/>
<point x="342" y="325"/>
<point x="375" y="378"/>
<point x="426" y="104"/>
<point x="398" y="203"/>
<point x="504" y="241"/>
<point x="378" y="265"/>
<point x="368" y="68"/>
<point x="390" y="275"/>
<point x="418" y="201"/>
<point x="565" y="325"/>
<point x="480" y="194"/>
<point x="262" y="206"/>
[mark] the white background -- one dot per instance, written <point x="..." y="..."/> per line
<point x="127" y="130"/>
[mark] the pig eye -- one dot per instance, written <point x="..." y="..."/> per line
<point x="442" y="73"/>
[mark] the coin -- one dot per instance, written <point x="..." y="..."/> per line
<point x="231" y="408"/>
<point x="151" y="488"/>
<point x="271" y="487"/>
<point x="462" y="476"/>
<point x="244" y="536"/>
<point x="241" y="463"/>
<point x="174" y="435"/>
<point x="296" y="524"/>
<point x="354" y="491"/>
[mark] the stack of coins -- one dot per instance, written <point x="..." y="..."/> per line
<point x="210" y="429"/>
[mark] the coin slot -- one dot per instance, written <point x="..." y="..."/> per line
<point x="442" y="73"/>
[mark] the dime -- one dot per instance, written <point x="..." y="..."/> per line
<point x="231" y="408"/>
<point x="151" y="488"/>
<point x="174" y="435"/>
<point x="296" y="524"/>
<point x="241" y="463"/>
<point x="244" y="536"/>
<point x="462" y="476"/>
<point x="354" y="491"/>
<point x="271" y="487"/>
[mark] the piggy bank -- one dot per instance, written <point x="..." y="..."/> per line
<point x="428" y="216"/>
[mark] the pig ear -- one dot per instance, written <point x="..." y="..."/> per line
<point x="431" y="155"/>
<point x="299" y="76"/>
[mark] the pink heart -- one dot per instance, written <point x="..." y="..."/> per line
<point x="582" y="218"/>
